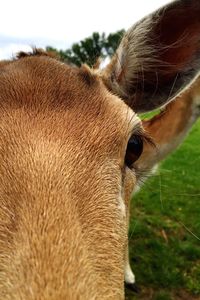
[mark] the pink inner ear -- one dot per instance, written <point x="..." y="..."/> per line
<point x="179" y="31"/>
<point x="158" y="57"/>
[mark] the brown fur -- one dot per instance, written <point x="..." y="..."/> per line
<point x="157" y="57"/>
<point x="167" y="129"/>
<point x="171" y="126"/>
<point x="56" y="166"/>
<point x="45" y="206"/>
<point x="64" y="184"/>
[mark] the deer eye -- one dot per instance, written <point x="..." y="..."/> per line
<point x="134" y="149"/>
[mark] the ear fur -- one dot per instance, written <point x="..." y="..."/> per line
<point x="158" y="57"/>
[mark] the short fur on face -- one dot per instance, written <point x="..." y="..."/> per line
<point x="61" y="194"/>
<point x="64" y="183"/>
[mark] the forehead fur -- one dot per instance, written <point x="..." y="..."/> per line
<point x="43" y="85"/>
<point x="39" y="71"/>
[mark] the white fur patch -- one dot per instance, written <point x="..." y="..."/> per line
<point x="122" y="206"/>
<point x="129" y="276"/>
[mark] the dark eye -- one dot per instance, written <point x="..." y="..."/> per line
<point x="134" y="149"/>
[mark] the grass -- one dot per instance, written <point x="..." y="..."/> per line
<point x="165" y="227"/>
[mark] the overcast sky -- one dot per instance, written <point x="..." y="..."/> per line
<point x="60" y="23"/>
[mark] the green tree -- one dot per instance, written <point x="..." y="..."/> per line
<point x="90" y="49"/>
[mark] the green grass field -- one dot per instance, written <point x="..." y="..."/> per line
<point x="165" y="228"/>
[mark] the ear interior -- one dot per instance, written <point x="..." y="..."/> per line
<point x="158" y="57"/>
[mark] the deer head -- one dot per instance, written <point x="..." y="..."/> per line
<point x="69" y="140"/>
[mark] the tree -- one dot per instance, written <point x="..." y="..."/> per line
<point x="90" y="49"/>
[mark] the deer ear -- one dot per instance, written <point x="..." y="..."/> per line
<point x="158" y="57"/>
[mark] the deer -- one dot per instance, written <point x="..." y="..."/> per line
<point x="168" y="129"/>
<point x="71" y="150"/>
<point x="181" y="114"/>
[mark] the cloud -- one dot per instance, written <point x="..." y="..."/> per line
<point x="62" y="23"/>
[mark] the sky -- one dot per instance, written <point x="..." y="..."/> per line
<point x="60" y="23"/>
